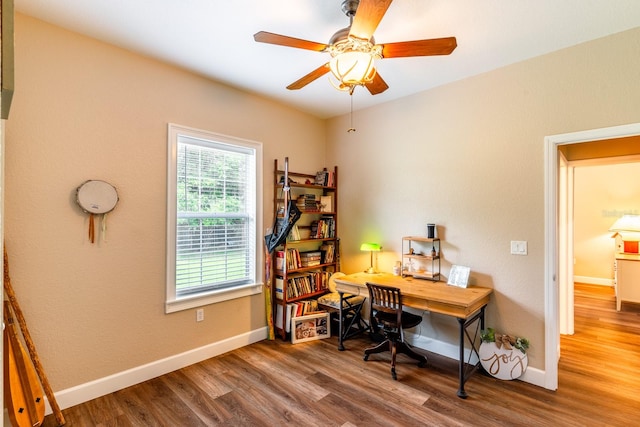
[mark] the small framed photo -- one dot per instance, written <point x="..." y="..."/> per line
<point x="321" y="178"/>
<point x="310" y="327"/>
<point x="459" y="276"/>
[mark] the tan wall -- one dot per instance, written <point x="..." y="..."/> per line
<point x="469" y="157"/>
<point x="602" y="194"/>
<point x="86" y="110"/>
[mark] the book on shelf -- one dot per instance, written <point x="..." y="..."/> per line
<point x="310" y="259"/>
<point x="325" y="178"/>
<point x="324" y="228"/>
<point x="279" y="315"/>
<point x="310" y="263"/>
<point x="328" y="251"/>
<point x="307" y="202"/>
<point x="302" y="308"/>
<point x="279" y="288"/>
<point x="279" y="260"/>
<point x="326" y="203"/>
<point x="293" y="259"/>
<point x="294" y="234"/>
<point x="301" y="284"/>
<point x="287" y="319"/>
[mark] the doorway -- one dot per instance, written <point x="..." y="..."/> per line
<point x="620" y="141"/>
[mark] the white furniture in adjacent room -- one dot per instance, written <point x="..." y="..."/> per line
<point x="627" y="278"/>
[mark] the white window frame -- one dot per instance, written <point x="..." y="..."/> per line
<point x="174" y="302"/>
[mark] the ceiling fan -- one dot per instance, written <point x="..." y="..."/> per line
<point x="353" y="49"/>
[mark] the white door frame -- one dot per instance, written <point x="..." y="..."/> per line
<point x="565" y="245"/>
<point x="551" y="218"/>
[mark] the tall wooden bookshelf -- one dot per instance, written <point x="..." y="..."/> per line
<point x="303" y="264"/>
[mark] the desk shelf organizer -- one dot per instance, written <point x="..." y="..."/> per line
<point x="421" y="257"/>
<point x="310" y="255"/>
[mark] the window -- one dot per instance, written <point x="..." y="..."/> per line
<point x="214" y="213"/>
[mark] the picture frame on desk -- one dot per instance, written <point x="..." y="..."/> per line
<point x="459" y="276"/>
<point x="311" y="327"/>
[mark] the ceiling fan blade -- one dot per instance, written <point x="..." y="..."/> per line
<point x="265" y="37"/>
<point x="377" y="85"/>
<point x="368" y="16"/>
<point x="302" y="82"/>
<point x="443" y="46"/>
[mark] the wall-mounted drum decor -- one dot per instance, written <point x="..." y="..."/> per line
<point x="96" y="197"/>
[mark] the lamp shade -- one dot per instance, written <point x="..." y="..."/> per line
<point x="370" y="247"/>
<point x="627" y="223"/>
<point x="628" y="227"/>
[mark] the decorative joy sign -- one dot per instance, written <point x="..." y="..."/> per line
<point x="96" y="197"/>
<point x="502" y="363"/>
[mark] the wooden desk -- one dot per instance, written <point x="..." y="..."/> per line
<point x="467" y="305"/>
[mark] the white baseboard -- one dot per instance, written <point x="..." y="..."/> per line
<point x="439" y="347"/>
<point x="533" y="376"/>
<point x="100" y="387"/>
<point x="593" y="280"/>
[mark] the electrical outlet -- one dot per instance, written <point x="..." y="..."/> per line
<point x="199" y="315"/>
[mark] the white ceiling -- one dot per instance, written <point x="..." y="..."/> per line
<point x="215" y="38"/>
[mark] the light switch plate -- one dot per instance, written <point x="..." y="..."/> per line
<point x="518" y="247"/>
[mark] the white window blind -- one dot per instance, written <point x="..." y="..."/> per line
<point x="214" y="246"/>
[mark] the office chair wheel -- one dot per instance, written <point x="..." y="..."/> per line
<point x="422" y="364"/>
<point x="365" y="357"/>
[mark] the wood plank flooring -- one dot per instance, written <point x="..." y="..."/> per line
<point x="312" y="384"/>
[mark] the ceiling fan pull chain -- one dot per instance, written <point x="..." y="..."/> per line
<point x="351" y="128"/>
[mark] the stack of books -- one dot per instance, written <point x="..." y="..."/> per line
<point x="310" y="259"/>
<point x="307" y="203"/>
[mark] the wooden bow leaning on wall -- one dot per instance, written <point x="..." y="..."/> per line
<point x="27" y="385"/>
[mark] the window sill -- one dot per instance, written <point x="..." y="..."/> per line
<point x="212" y="298"/>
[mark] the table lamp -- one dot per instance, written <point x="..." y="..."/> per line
<point x="628" y="228"/>
<point x="371" y="247"/>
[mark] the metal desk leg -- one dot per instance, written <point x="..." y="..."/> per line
<point x="463" y="373"/>
<point x="461" y="393"/>
<point x="340" y="325"/>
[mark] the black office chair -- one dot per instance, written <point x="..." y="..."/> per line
<point x="387" y="317"/>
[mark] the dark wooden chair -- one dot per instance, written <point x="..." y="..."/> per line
<point x="388" y="318"/>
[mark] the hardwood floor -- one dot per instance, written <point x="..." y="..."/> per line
<point x="312" y="384"/>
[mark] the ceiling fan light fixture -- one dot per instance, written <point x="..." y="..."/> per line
<point x="353" y="62"/>
<point x="354" y="51"/>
